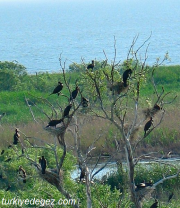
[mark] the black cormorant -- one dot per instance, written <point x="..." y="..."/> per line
<point x="141" y="185"/>
<point x="58" y="89"/>
<point x="126" y="75"/>
<point x="84" y="102"/>
<point x="157" y="107"/>
<point x="54" y="122"/>
<point x="83" y="173"/>
<point x="155" y="204"/>
<point x="67" y="110"/>
<point x="43" y="164"/>
<point x="74" y="93"/>
<point x="91" y="66"/>
<point x="148" y="125"/>
<point x="16" y="136"/>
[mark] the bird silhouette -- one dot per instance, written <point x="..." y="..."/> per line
<point x="16" y="136"/>
<point x="67" y="110"/>
<point x="91" y="66"/>
<point x="126" y="76"/>
<point x="58" y="89"/>
<point x="84" y="102"/>
<point x="148" y="125"/>
<point x="83" y="173"/>
<point x="74" y="93"/>
<point x="54" y="122"/>
<point x="155" y="204"/>
<point x="43" y="164"/>
<point x="157" y="107"/>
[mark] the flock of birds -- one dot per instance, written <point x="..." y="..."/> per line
<point x="143" y="185"/>
<point x="21" y="172"/>
<point x="43" y="162"/>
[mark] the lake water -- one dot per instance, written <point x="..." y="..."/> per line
<point x="35" y="34"/>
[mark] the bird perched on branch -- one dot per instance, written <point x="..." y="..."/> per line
<point x="67" y="110"/>
<point x="74" y="93"/>
<point x="54" y="122"/>
<point x="148" y="125"/>
<point x="16" y="136"/>
<point x="91" y="66"/>
<point x="143" y="185"/>
<point x="126" y="76"/>
<point x="84" y="102"/>
<point x="83" y="173"/>
<point x="58" y="89"/>
<point x="43" y="163"/>
<point x="157" y="107"/>
<point x="155" y="204"/>
<point x="22" y="174"/>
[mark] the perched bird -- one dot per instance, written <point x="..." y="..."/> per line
<point x="91" y="66"/>
<point x="148" y="125"/>
<point x="2" y="152"/>
<point x="126" y="75"/>
<point x="22" y="174"/>
<point x="141" y="185"/>
<point x="43" y="164"/>
<point x="157" y="107"/>
<point x="155" y="204"/>
<point x="83" y="173"/>
<point x="23" y="150"/>
<point x="166" y="156"/>
<point x="16" y="136"/>
<point x="67" y="110"/>
<point x="84" y="102"/>
<point x="54" y="122"/>
<point x="74" y="93"/>
<point x="170" y="197"/>
<point x="58" y="89"/>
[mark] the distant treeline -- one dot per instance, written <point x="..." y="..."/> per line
<point x="14" y="77"/>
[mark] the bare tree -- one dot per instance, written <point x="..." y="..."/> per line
<point x="88" y="170"/>
<point x="118" y="99"/>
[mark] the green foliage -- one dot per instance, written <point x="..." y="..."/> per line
<point x="8" y="171"/>
<point x="11" y="76"/>
<point x="118" y="180"/>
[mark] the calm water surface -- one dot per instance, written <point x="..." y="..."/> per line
<point x="35" y="34"/>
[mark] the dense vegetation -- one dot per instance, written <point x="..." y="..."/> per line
<point x="16" y="85"/>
